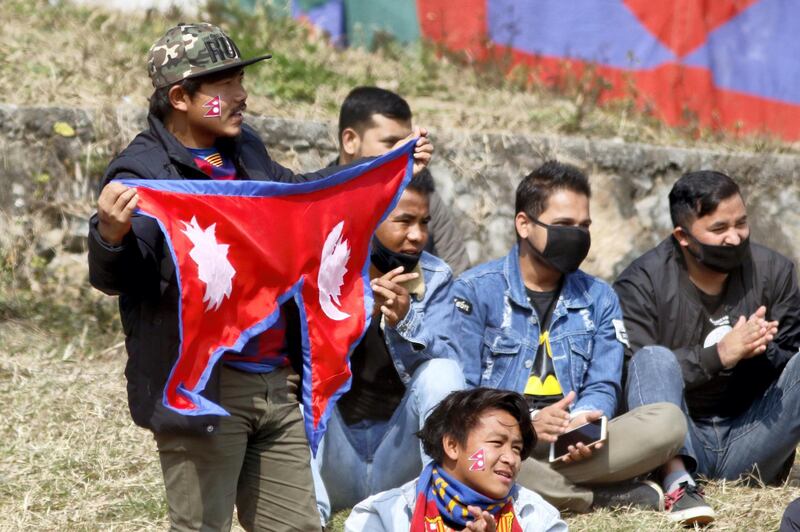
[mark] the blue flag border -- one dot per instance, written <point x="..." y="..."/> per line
<point x="274" y="189"/>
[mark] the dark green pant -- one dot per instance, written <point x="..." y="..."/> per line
<point x="257" y="460"/>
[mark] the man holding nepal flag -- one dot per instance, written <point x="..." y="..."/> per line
<point x="231" y="283"/>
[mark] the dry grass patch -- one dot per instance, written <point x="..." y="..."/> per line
<point x="71" y="459"/>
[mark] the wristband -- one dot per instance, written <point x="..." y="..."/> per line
<point x="534" y="412"/>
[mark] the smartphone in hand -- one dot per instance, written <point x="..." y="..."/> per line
<point x="589" y="434"/>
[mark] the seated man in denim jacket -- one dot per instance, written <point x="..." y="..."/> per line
<point x="533" y="323"/>
<point x="400" y="368"/>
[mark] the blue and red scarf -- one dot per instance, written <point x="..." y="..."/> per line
<point x="442" y="505"/>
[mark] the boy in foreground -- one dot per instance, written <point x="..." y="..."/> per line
<point x="478" y="439"/>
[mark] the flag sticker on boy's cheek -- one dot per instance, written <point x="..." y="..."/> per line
<point x="214" y="108"/>
<point x="478" y="461"/>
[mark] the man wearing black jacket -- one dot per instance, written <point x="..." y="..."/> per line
<point x="713" y="322"/>
<point x="257" y="457"/>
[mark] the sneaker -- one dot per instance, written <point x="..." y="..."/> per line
<point x="645" y="495"/>
<point x="687" y="506"/>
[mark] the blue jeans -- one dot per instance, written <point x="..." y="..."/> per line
<point x="359" y="460"/>
<point x="757" y="441"/>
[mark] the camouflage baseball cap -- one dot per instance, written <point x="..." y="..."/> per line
<point x="191" y="50"/>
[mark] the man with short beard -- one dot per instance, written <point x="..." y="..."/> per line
<point x="257" y="457"/>
<point x="714" y="325"/>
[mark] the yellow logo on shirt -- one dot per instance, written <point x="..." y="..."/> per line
<point x="550" y="386"/>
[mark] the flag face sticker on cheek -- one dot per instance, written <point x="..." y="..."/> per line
<point x="478" y="460"/>
<point x="243" y="248"/>
<point x="214" y="107"/>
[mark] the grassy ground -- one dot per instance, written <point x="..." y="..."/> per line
<point x="91" y="57"/>
<point x="71" y="459"/>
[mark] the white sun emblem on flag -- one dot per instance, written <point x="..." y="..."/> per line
<point x="213" y="266"/>
<point x="333" y="266"/>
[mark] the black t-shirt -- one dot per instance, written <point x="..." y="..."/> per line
<point x="705" y="400"/>
<point x="543" y="388"/>
<point x="376" y="390"/>
<point x="711" y="303"/>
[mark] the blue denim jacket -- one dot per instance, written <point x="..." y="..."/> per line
<point x="497" y="333"/>
<point x="413" y="340"/>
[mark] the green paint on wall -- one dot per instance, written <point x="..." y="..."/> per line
<point x="396" y="17"/>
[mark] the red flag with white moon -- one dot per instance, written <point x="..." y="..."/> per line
<point x="242" y="248"/>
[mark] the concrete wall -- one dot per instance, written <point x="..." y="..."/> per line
<point x="476" y="174"/>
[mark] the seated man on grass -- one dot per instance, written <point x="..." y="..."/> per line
<point x="400" y="369"/>
<point x="533" y="323"/>
<point x="714" y="326"/>
<point x="478" y="440"/>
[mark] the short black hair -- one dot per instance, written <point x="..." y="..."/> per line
<point x="422" y="182"/>
<point x="363" y="102"/>
<point x="460" y="412"/>
<point x="696" y="194"/>
<point x="537" y="187"/>
<point x="160" y="106"/>
<point x="159" y="100"/>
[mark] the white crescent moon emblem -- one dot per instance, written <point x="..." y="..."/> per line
<point x="330" y="309"/>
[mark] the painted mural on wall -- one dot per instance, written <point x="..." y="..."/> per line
<point x="727" y="64"/>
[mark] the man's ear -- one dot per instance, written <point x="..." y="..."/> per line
<point x="523" y="224"/>
<point x="351" y="143"/>
<point x="451" y="447"/>
<point x="681" y="236"/>
<point x="178" y="98"/>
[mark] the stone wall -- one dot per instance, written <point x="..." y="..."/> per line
<point x="56" y="157"/>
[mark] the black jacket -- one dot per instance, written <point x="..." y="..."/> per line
<point x="140" y="271"/>
<point x="662" y="307"/>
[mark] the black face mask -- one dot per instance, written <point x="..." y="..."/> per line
<point x="387" y="260"/>
<point x="566" y="247"/>
<point x="722" y="259"/>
